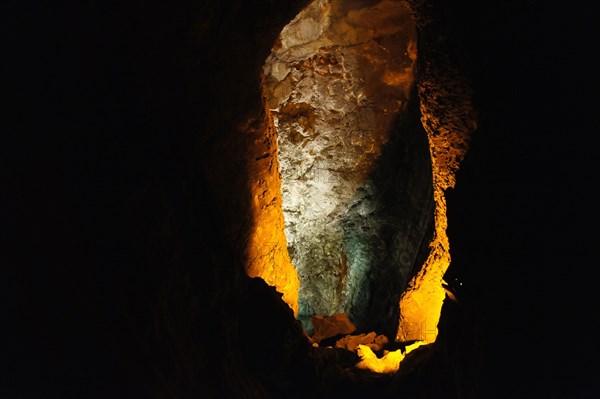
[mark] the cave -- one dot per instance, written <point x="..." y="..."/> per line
<point x="356" y="174"/>
<point x="360" y="151"/>
<point x="193" y="190"/>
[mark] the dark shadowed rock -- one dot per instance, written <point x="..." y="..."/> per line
<point x="326" y="327"/>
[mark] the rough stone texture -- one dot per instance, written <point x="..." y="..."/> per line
<point x="120" y="270"/>
<point x="266" y="246"/>
<point x="372" y="340"/>
<point x="336" y="82"/>
<point x="326" y="327"/>
<point x="239" y="155"/>
<point x="449" y="118"/>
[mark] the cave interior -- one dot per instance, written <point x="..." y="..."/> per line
<point x="190" y="188"/>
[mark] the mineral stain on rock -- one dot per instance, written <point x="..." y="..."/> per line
<point x="354" y="161"/>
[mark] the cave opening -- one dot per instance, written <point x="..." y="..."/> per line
<point x="354" y="160"/>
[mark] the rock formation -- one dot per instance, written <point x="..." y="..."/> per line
<point x="354" y="162"/>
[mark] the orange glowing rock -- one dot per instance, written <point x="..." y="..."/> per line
<point x="372" y="340"/>
<point x="389" y="363"/>
<point x="331" y="326"/>
<point x="449" y="118"/>
<point x="266" y="251"/>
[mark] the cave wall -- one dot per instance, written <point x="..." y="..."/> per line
<point x="356" y="185"/>
<point x="240" y="157"/>
<point x="450" y="119"/>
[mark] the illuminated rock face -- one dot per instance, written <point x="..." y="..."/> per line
<point x="449" y="118"/>
<point x="354" y="161"/>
